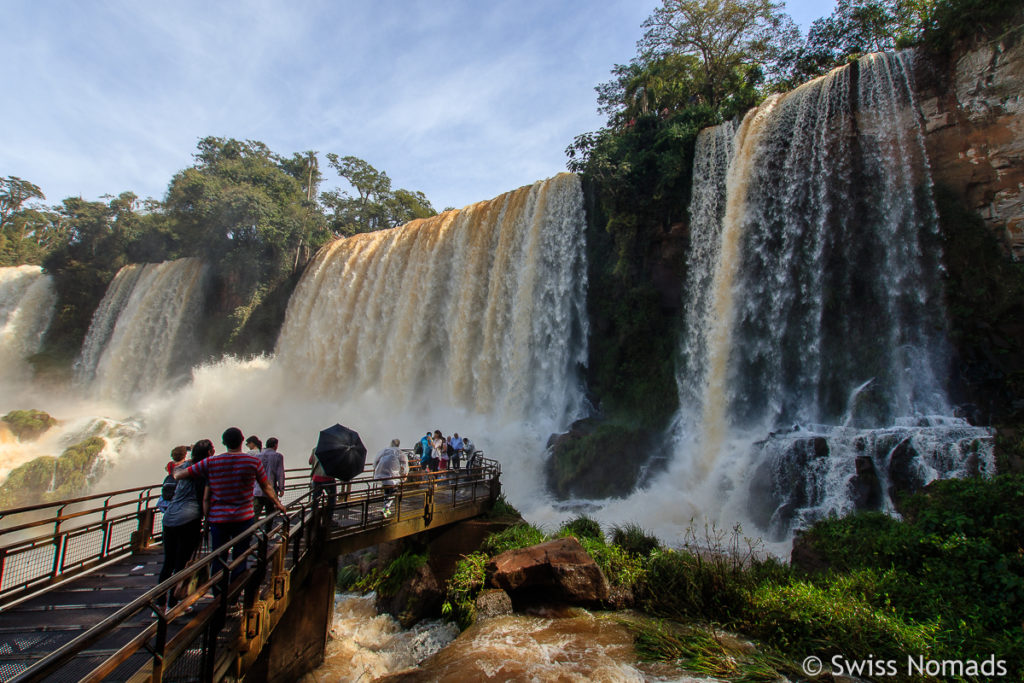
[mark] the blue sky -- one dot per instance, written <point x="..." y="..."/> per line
<point x="462" y="99"/>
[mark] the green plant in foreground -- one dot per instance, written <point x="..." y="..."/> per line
<point x="512" y="538"/>
<point x="582" y="527"/>
<point x="400" y="570"/>
<point x="621" y="568"/>
<point x="801" y="617"/>
<point x="634" y="539"/>
<point x="502" y="508"/>
<point x="465" y="584"/>
<point x="702" y="650"/>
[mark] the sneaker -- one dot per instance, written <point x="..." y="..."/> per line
<point x="386" y="512"/>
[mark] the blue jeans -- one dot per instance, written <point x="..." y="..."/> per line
<point x="221" y="533"/>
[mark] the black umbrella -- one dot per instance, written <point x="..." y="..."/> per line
<point x="341" y="452"/>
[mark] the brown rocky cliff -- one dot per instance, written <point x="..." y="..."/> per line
<point x="973" y="107"/>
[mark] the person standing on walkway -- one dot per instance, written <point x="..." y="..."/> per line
<point x="230" y="478"/>
<point x="183" y="520"/>
<point x="457" y="447"/>
<point x="273" y="465"/>
<point x="323" y="484"/>
<point x="390" y="467"/>
<point x="440" y="449"/>
<point x="426" y="457"/>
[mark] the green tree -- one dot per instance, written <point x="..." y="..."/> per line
<point x="27" y="233"/>
<point x="375" y="205"/>
<point x="242" y="203"/>
<point x="854" y="28"/>
<point x="725" y="36"/>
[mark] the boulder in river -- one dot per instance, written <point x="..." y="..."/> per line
<point x="558" y="570"/>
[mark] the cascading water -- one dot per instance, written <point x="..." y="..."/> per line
<point x="141" y="332"/>
<point x="27" y="298"/>
<point x="483" y="308"/>
<point x="817" y="299"/>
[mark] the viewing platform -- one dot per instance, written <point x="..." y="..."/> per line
<point x="79" y="599"/>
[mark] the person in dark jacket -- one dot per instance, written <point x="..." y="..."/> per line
<point x="183" y="519"/>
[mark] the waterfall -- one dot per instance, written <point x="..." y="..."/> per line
<point x="815" y="281"/>
<point x="482" y="308"/>
<point x="103" y="320"/>
<point x="142" y="331"/>
<point x="27" y="298"/>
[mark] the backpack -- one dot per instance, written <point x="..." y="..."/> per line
<point x="168" y="487"/>
<point x="418" y="448"/>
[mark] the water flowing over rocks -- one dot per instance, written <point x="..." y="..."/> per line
<point x="486" y="304"/>
<point x="816" y="471"/>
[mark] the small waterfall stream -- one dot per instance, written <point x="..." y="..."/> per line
<point x="142" y="331"/>
<point x="27" y="298"/>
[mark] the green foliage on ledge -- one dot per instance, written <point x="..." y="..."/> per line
<point x="29" y="425"/>
<point x="47" y="478"/>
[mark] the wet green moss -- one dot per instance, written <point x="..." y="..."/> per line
<point x="29" y="425"/>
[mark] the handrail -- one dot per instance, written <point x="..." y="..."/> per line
<point x="284" y="542"/>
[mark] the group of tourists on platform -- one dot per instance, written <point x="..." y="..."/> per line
<point x="231" y="489"/>
<point x="438" y="453"/>
<point x="227" y="489"/>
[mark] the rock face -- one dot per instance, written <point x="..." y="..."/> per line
<point x="973" y="110"/>
<point x="558" y="570"/>
<point x="493" y="602"/>
<point x="417" y="598"/>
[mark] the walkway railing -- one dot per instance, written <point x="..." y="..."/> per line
<point x="41" y="544"/>
<point x="195" y="639"/>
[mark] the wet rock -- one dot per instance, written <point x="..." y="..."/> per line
<point x="904" y="472"/>
<point x="598" y="459"/>
<point x="493" y="602"/>
<point x="620" y="598"/>
<point x="558" y="570"/>
<point x="418" y="598"/>
<point x="866" y="491"/>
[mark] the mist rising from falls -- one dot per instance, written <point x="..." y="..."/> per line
<point x="483" y="308"/>
<point x="815" y="279"/>
<point x="27" y="298"/>
<point x="142" y="330"/>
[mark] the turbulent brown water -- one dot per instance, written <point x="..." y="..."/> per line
<point x="570" y="646"/>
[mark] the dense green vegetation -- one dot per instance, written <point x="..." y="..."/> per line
<point x="28" y="425"/>
<point x="47" y="478"/>
<point x="946" y="583"/>
<point x="256" y="217"/>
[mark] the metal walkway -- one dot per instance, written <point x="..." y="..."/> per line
<point x="79" y="599"/>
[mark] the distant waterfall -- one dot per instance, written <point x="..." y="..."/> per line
<point x="27" y="298"/>
<point x="815" y="275"/>
<point x="484" y="308"/>
<point x="142" y="330"/>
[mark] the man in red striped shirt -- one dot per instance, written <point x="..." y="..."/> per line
<point x="230" y="480"/>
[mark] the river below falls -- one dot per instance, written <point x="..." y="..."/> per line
<point x="568" y="645"/>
